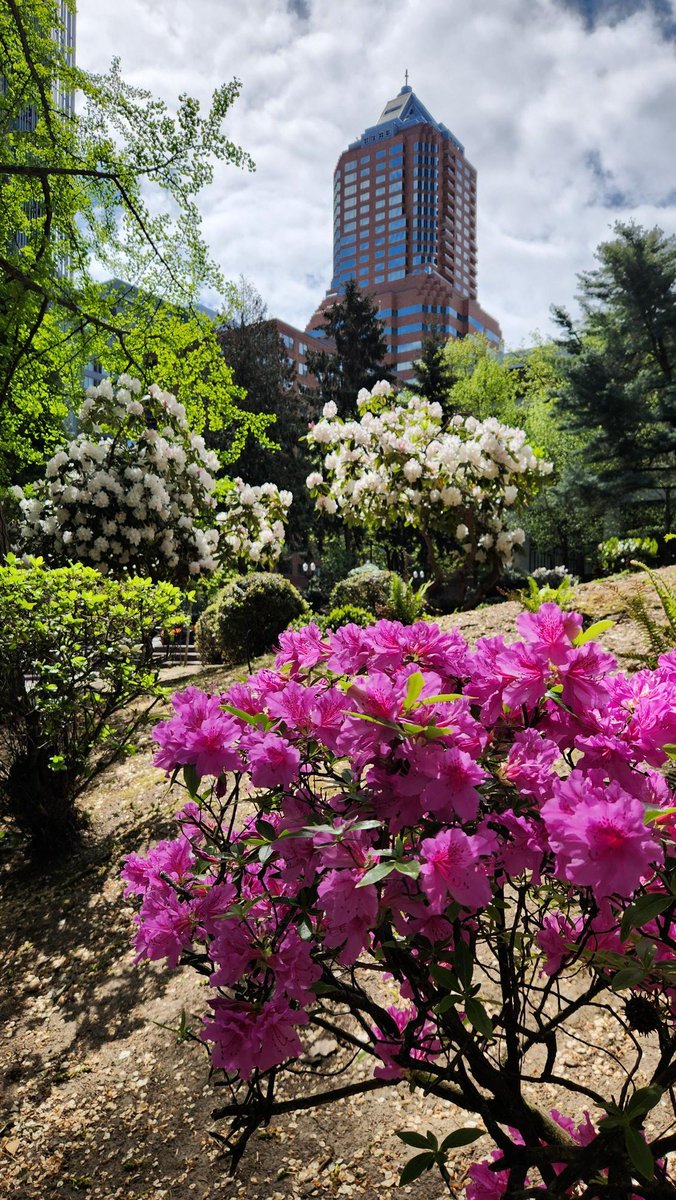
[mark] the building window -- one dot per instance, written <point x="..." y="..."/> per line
<point x="395" y="275"/>
<point x="288" y="341"/>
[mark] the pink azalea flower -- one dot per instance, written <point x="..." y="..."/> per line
<point x="452" y="870"/>
<point x="349" y="912"/>
<point x="273" y="762"/>
<point x="597" y="832"/>
<point x="302" y="648"/>
<point x="294" y="704"/>
<point x="550" y="631"/>
<point x="583" y="677"/>
<point x="453" y="790"/>
<point x="424" y="1046"/>
<point x="486" y="682"/>
<point x="556" y="939"/>
<point x="351" y="649"/>
<point x="295" y="970"/>
<point x="526" y="675"/>
<point x="174" y="858"/>
<point x="529" y="764"/>
<point x="485" y="1183"/>
<point x="212" y="745"/>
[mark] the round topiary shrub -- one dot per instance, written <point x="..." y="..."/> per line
<point x="251" y="612"/>
<point x="206" y="637"/>
<point x="365" y="587"/>
<point x="348" y="614"/>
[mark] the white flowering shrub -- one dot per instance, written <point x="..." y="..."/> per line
<point x="455" y="482"/>
<point x="251" y="523"/>
<point x="132" y="491"/>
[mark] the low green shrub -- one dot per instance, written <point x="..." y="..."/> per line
<point x="405" y="602"/>
<point x="206" y="637"/>
<point x="347" y="614"/>
<point x="251" y="612"/>
<point x="617" y="554"/>
<point x="365" y="587"/>
<point x="75" y="651"/>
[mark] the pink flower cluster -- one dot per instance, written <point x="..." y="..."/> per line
<point x="395" y="781"/>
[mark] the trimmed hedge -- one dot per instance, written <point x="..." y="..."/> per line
<point x="251" y="612"/>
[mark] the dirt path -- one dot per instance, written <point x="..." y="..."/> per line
<point x="101" y="1099"/>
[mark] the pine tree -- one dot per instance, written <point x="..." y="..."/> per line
<point x="352" y="323"/>
<point x="620" y="368"/>
<point x="434" y="374"/>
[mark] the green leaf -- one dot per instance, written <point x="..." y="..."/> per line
<point x="594" y="631"/>
<point x="478" y="1017"/>
<point x="670" y="749"/>
<point x="415" y="1167"/>
<point x="442" y="697"/>
<point x="380" y="871"/>
<point x="639" y="1152"/>
<point x="654" y="814"/>
<point x="414" y="687"/>
<point x="643" y="1100"/>
<point x="445" y="977"/>
<point x="449" y="1001"/>
<point x="411" y="868"/>
<point x="410" y="1138"/>
<point x="626" y="978"/>
<point x="248" y="718"/>
<point x="463" y="963"/>
<point x="191" y="778"/>
<point x="461" y="1137"/>
<point x="643" y="910"/>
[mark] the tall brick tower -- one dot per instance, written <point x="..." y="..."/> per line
<point x="404" y="227"/>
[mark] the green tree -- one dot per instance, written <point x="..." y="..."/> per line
<point x="181" y="351"/>
<point x="620" y="370"/>
<point x="352" y="323"/>
<point x="114" y="184"/>
<point x="484" y="383"/>
<point x="261" y="369"/>
<point x="434" y="373"/>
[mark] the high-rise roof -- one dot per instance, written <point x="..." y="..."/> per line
<point x="404" y="110"/>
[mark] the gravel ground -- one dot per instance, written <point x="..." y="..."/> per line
<point x="101" y="1098"/>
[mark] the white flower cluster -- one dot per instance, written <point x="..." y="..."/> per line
<point x="251" y="524"/>
<point x="402" y="462"/>
<point x="133" y="490"/>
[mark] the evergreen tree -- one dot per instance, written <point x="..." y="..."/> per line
<point x="352" y="323"/>
<point x="260" y="365"/>
<point x="620" y="368"/>
<point x="434" y="373"/>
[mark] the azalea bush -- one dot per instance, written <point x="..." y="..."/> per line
<point x="456" y="483"/>
<point x="251" y="523"/>
<point x="76" y="662"/>
<point x="445" y="859"/>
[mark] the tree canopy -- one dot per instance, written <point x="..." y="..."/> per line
<point x="359" y="361"/>
<point x="110" y="188"/>
<point x="620" y="370"/>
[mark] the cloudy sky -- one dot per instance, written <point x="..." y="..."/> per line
<point x="567" y="108"/>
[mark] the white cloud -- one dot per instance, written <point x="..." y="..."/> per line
<point x="569" y="129"/>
